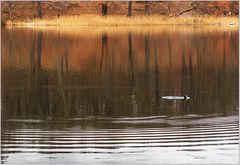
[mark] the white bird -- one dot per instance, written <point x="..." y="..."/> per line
<point x="185" y="97"/>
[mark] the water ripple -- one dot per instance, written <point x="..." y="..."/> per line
<point x="201" y="137"/>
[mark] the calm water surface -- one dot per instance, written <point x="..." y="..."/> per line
<point x="93" y="95"/>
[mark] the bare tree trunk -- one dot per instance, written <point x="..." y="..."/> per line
<point x="10" y="11"/>
<point x="205" y="7"/>
<point x="169" y="7"/>
<point x="104" y="8"/>
<point x="39" y="9"/>
<point x="147" y="8"/>
<point x="129" y="8"/>
<point x="232" y="7"/>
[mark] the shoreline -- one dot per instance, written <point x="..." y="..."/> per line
<point x="97" y="20"/>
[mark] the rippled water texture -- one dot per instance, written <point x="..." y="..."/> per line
<point x="94" y="95"/>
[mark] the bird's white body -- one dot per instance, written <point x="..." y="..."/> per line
<point x="176" y="97"/>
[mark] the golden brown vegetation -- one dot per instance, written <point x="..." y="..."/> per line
<point x="96" y="20"/>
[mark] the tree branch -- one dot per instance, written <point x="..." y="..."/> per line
<point x="194" y="6"/>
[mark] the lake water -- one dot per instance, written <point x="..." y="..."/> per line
<point x="94" y="95"/>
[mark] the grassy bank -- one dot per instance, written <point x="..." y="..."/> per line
<point x="96" y="20"/>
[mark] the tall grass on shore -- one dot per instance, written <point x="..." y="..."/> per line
<point x="96" y="20"/>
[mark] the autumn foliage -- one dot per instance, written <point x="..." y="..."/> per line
<point x="30" y="10"/>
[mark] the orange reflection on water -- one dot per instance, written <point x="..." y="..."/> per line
<point x="100" y="47"/>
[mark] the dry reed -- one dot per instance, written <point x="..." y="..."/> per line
<point x="112" y="20"/>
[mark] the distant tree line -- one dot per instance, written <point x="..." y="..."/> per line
<point x="203" y="6"/>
